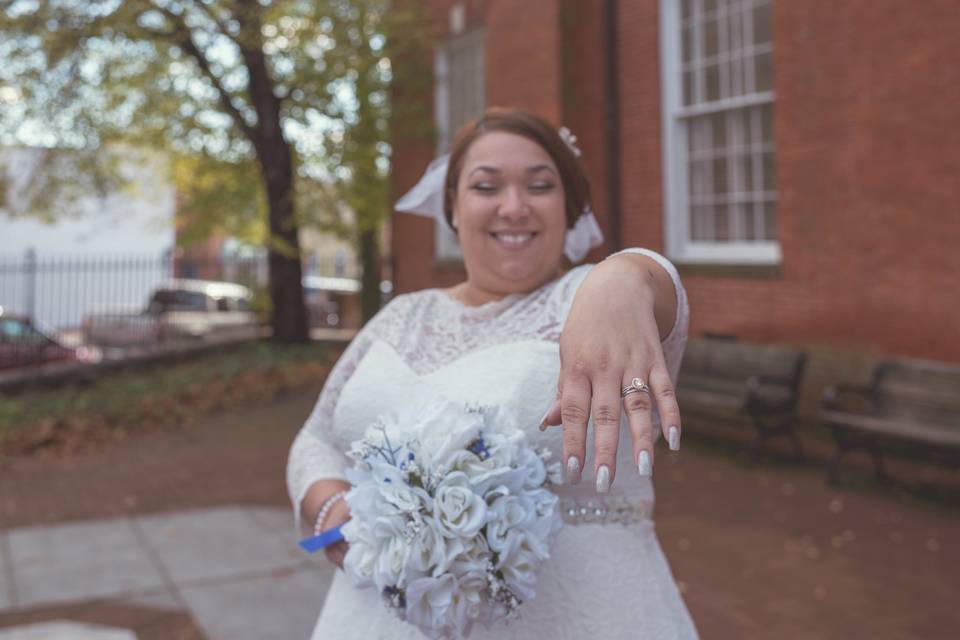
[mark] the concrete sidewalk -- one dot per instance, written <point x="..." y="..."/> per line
<point x="232" y="573"/>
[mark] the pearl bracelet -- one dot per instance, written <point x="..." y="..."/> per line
<point x="325" y="509"/>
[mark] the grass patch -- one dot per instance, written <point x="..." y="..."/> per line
<point x="159" y="394"/>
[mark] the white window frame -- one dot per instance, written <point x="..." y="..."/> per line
<point x="679" y="245"/>
<point x="446" y="247"/>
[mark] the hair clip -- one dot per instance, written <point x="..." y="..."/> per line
<point x="570" y="140"/>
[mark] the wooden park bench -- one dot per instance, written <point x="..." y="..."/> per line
<point x="909" y="404"/>
<point x="759" y="381"/>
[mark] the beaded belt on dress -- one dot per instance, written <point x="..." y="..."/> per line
<point x="605" y="511"/>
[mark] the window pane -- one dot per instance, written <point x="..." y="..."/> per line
<point x="749" y="133"/>
<point x="713" y="82"/>
<point x="720" y="175"/>
<point x="761" y="24"/>
<point x="688" y="80"/>
<point x="697" y="172"/>
<point x="747" y="222"/>
<point x="770" y="220"/>
<point x="738" y="128"/>
<point x="700" y="224"/>
<point x="766" y="122"/>
<point x="735" y="25"/>
<point x="769" y="172"/>
<point x="719" y="125"/>
<point x="699" y="137"/>
<point x="710" y="39"/>
<point x="461" y="87"/>
<point x="729" y="159"/>
<point x="763" y="72"/>
<point x="721" y="225"/>
<point x="688" y="34"/>
<point x="746" y="171"/>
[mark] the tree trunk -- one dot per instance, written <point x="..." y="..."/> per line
<point x="289" y="317"/>
<point x="370" y="284"/>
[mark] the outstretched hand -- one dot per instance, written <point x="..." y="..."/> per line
<point x="621" y="312"/>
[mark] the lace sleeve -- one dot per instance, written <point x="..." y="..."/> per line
<point x="676" y="340"/>
<point x="313" y="454"/>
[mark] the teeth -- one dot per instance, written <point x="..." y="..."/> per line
<point x="513" y="238"/>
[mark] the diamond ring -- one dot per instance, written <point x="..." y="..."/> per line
<point x="637" y="384"/>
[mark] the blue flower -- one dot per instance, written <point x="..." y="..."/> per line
<point x="479" y="447"/>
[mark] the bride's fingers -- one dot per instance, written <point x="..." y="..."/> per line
<point x="575" y="411"/>
<point x="552" y="416"/>
<point x="336" y="553"/>
<point x="638" y="406"/>
<point x="666" y="400"/>
<point x="605" y="408"/>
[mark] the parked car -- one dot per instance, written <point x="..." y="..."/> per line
<point x="178" y="310"/>
<point x="22" y="344"/>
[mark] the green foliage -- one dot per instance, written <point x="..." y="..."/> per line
<point x="209" y="81"/>
<point x="219" y="196"/>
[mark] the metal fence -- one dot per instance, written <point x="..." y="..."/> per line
<point x="54" y="307"/>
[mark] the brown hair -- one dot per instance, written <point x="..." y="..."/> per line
<point x="533" y="127"/>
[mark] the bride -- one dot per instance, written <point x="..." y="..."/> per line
<point x="595" y="346"/>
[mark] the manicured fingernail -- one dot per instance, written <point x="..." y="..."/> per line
<point x="673" y="438"/>
<point x="643" y="464"/>
<point x="543" y="421"/>
<point x="603" y="479"/>
<point x="573" y="470"/>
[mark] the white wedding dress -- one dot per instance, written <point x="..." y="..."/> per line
<point x="607" y="576"/>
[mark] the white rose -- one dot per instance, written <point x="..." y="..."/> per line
<point x="361" y="555"/>
<point x="545" y="518"/>
<point x="475" y="555"/>
<point x="387" y="526"/>
<point x="467" y="601"/>
<point x="428" y="548"/>
<point x="535" y="472"/>
<point x="364" y="497"/>
<point x="483" y="473"/>
<point x="505" y="514"/>
<point x="444" y="427"/>
<point x="452" y="548"/>
<point x="391" y="561"/>
<point x="459" y="511"/>
<point x="428" y="600"/>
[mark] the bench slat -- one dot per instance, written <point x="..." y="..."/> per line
<point x="739" y="361"/>
<point x="939" y="434"/>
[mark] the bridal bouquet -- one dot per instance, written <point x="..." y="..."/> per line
<point x="450" y="517"/>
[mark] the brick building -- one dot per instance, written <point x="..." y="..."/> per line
<point x="797" y="159"/>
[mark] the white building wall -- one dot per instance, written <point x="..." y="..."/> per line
<point x="99" y="252"/>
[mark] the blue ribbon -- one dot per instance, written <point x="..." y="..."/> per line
<point x="325" y="539"/>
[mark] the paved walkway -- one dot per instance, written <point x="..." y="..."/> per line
<point x="229" y="572"/>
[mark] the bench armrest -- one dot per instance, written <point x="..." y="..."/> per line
<point x="848" y="398"/>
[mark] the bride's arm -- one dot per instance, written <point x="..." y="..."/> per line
<point x="621" y="315"/>
<point x="315" y="468"/>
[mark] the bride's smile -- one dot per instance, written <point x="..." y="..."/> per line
<point x="509" y="215"/>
